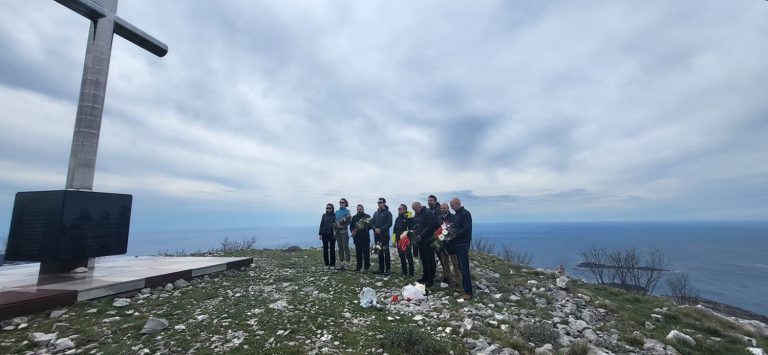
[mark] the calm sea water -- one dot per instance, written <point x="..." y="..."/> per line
<point x="727" y="261"/>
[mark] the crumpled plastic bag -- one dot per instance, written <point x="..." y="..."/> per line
<point x="414" y="292"/>
<point x="368" y="298"/>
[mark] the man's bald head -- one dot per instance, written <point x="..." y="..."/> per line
<point x="416" y="205"/>
<point x="455" y="204"/>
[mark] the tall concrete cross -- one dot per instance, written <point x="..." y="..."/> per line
<point x="85" y="140"/>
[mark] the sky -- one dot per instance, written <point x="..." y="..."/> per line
<point x="264" y="111"/>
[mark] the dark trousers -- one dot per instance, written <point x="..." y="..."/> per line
<point x="406" y="260"/>
<point x="384" y="259"/>
<point x="428" y="264"/>
<point x="462" y="253"/>
<point x="362" y="252"/>
<point x="329" y="250"/>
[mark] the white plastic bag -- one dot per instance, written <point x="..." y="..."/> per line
<point x="414" y="292"/>
<point x="368" y="298"/>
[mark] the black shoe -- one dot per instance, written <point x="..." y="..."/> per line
<point x="378" y="272"/>
<point x="429" y="284"/>
<point x="387" y="273"/>
<point x="421" y="280"/>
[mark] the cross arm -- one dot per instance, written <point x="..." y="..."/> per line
<point x="140" y="38"/>
<point x="88" y="9"/>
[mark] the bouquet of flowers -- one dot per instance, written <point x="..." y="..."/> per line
<point x="363" y="224"/>
<point x="379" y="248"/>
<point x="440" y="236"/>
<point x="404" y="242"/>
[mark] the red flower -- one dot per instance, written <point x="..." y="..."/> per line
<point x="403" y="243"/>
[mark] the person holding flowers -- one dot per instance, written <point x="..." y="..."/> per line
<point x="343" y="217"/>
<point x="326" y="235"/>
<point x="361" y="226"/>
<point x="424" y="226"/>
<point x="403" y="224"/>
<point x="382" y="222"/>
<point x="446" y="218"/>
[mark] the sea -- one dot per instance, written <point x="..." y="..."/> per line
<point x="727" y="261"/>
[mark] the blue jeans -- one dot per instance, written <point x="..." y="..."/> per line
<point x="462" y="253"/>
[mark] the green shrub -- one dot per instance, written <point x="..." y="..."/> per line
<point x="579" y="347"/>
<point x="539" y="334"/>
<point x="407" y="340"/>
<point x="634" y="340"/>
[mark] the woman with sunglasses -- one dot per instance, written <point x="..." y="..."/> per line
<point x="343" y="217"/>
<point x="326" y="235"/>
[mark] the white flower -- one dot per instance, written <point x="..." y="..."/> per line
<point x="442" y="237"/>
<point x="445" y="232"/>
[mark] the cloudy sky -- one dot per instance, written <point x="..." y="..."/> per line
<point x="263" y="111"/>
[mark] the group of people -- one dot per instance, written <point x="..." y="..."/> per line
<point x="431" y="232"/>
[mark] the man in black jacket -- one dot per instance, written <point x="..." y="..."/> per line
<point x="382" y="222"/>
<point x="424" y="226"/>
<point x="462" y="226"/>
<point x="326" y="235"/>
<point x="402" y="224"/>
<point x="361" y="226"/>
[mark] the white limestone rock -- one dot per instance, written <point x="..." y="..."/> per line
<point x="154" y="325"/>
<point x="64" y="344"/>
<point x="168" y="287"/>
<point x="578" y="325"/>
<point x="58" y="313"/>
<point x="42" y="339"/>
<point x="79" y="270"/>
<point x="180" y="283"/>
<point x="547" y="349"/>
<point x="590" y="334"/>
<point x="563" y="282"/>
<point x="681" y="337"/>
<point x="121" y="302"/>
<point x="751" y="342"/>
<point x="756" y="351"/>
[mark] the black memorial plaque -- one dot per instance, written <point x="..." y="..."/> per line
<point x="66" y="225"/>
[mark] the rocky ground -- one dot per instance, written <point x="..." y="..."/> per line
<point x="287" y="302"/>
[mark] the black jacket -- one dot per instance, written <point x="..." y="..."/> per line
<point x="425" y="224"/>
<point x="462" y="226"/>
<point x="326" y="223"/>
<point x="362" y="235"/>
<point x="402" y="224"/>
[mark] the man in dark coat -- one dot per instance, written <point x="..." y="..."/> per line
<point x="382" y="222"/>
<point x="403" y="223"/>
<point x="361" y="227"/>
<point x="326" y="235"/>
<point x="462" y="226"/>
<point x="424" y="226"/>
